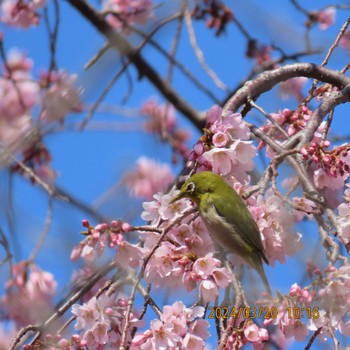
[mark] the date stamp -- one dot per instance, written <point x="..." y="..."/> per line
<point x="262" y="312"/>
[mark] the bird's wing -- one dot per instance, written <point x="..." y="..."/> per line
<point x="237" y="214"/>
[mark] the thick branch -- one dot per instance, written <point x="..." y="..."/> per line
<point x="267" y="80"/>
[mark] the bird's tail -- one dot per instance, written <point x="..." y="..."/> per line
<point x="258" y="266"/>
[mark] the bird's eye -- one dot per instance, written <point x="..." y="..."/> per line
<point x="190" y="187"/>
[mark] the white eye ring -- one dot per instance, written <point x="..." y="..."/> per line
<point x="190" y="188"/>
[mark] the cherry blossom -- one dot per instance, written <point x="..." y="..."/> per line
<point x="60" y="98"/>
<point x="129" y="12"/>
<point x="326" y="18"/>
<point x="101" y="319"/>
<point x="276" y="226"/>
<point x="345" y="40"/>
<point x="29" y="294"/>
<point x="147" y="178"/>
<point x="21" y="14"/>
<point x="178" y="328"/>
<point x="161" y="120"/>
<point x="293" y="87"/>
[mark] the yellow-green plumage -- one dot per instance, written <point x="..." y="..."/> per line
<point x="227" y="218"/>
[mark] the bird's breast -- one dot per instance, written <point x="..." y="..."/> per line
<point x="222" y="232"/>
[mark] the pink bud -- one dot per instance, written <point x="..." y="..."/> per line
<point x="304" y="151"/>
<point x="85" y="223"/>
<point x="75" y="337"/>
<point x="327" y="159"/>
<point x="325" y="143"/>
<point x="115" y="223"/>
<point x="63" y="342"/>
<point x="198" y="148"/>
<point x="108" y="311"/>
<point x="126" y="227"/>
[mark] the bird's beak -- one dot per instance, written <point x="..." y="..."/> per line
<point x="176" y="198"/>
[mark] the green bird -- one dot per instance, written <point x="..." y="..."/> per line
<point x="227" y="218"/>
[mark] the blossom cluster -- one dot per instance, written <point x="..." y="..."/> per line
<point x="324" y="305"/>
<point x="343" y="218"/>
<point x="276" y="226"/>
<point x="101" y="321"/>
<point x="124" y="13"/>
<point x="225" y="148"/>
<point x="219" y="15"/>
<point x="21" y="13"/>
<point x="111" y="236"/>
<point x="179" y="327"/>
<point x="29" y="294"/>
<point x="249" y="332"/>
<point x="20" y="94"/>
<point x="147" y="178"/>
<point x="334" y="162"/>
<point x="161" y="120"/>
<point x="57" y="342"/>
<point x="288" y="322"/>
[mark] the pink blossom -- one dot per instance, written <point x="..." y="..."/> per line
<point x="17" y="96"/>
<point x="221" y="160"/>
<point x="148" y="178"/>
<point x="129" y="255"/>
<point x="322" y="180"/>
<point x="129" y="11"/>
<point x="232" y="124"/>
<point x="306" y="206"/>
<point x="213" y="114"/>
<point x="205" y="266"/>
<point x="161" y="209"/>
<point x="344" y="220"/>
<point x="29" y="300"/>
<point x="200" y="327"/>
<point x="177" y="328"/>
<point x="276" y="225"/>
<point x="221" y="277"/>
<point x="255" y="335"/>
<point x="293" y="87"/>
<point x="159" y="117"/>
<point x="163" y="338"/>
<point x="290" y="326"/>
<point x="251" y="332"/>
<point x="20" y="13"/>
<point x="220" y="139"/>
<point x="41" y="283"/>
<point x="326" y="18"/>
<point x="18" y="61"/>
<point x="345" y="40"/>
<point x="61" y="98"/>
<point x="163" y="265"/>
<point x="12" y="131"/>
<point x="98" y="318"/>
<point x="261" y="53"/>
<point x="208" y="291"/>
<point x="99" y="331"/>
<point x="302" y="295"/>
<point x="192" y="342"/>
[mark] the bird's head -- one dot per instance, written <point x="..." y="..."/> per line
<point x="198" y="185"/>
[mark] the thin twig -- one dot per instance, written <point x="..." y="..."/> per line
<point x="200" y="55"/>
<point x="336" y="42"/>
<point x="103" y="94"/>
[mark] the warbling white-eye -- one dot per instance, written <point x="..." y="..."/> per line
<point x="227" y="218"/>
